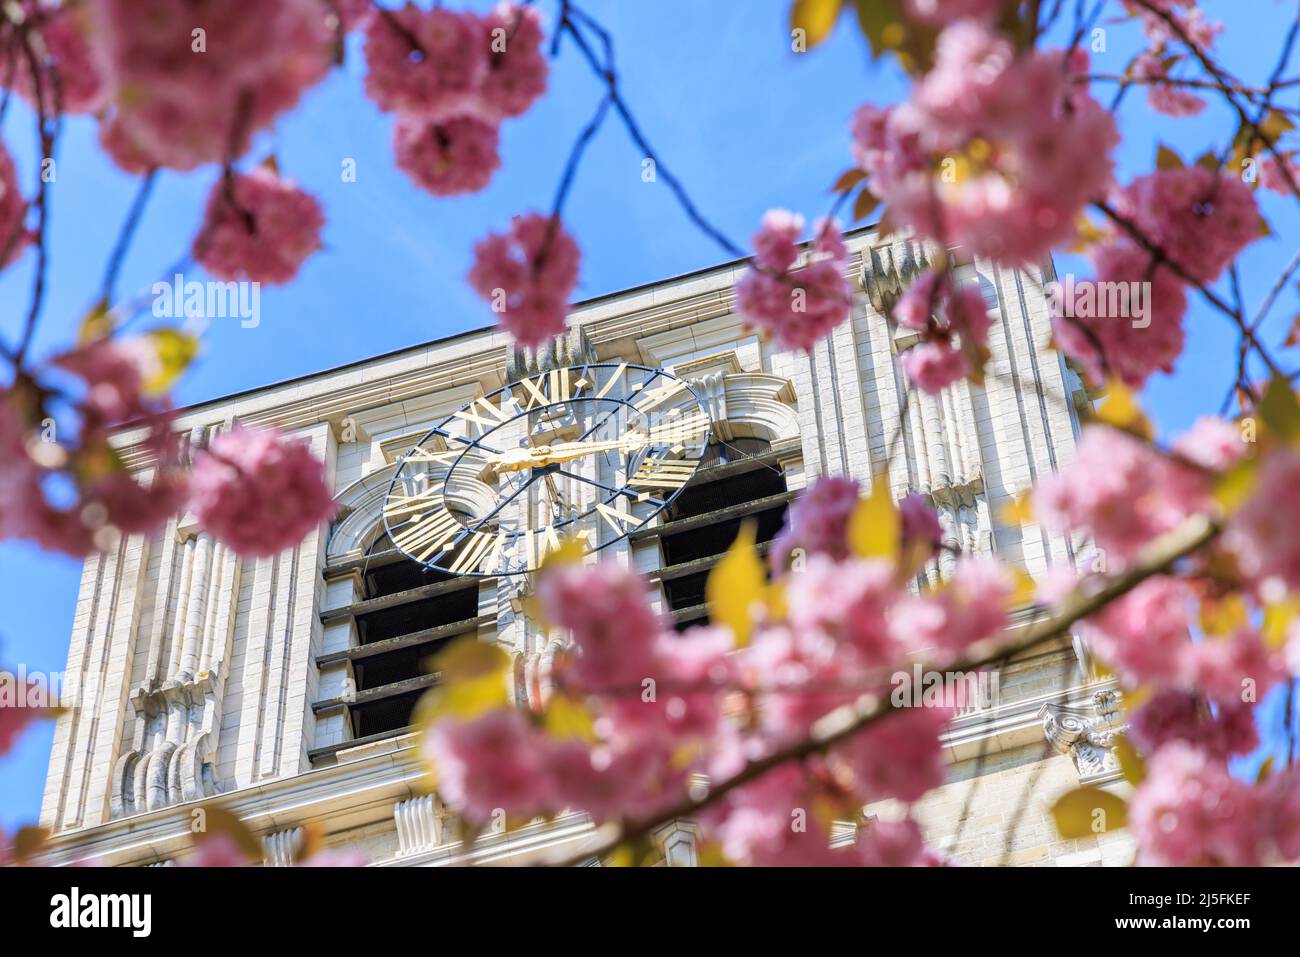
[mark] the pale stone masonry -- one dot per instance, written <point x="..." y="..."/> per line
<point x="198" y="676"/>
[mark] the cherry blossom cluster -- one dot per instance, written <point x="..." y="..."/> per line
<point x="68" y="490"/>
<point x="995" y="150"/>
<point x="954" y="325"/>
<point x="1196" y="679"/>
<point x="527" y="275"/>
<point x="1200" y="220"/>
<point x="793" y="298"/>
<point x="668" y="711"/>
<point x="452" y="77"/>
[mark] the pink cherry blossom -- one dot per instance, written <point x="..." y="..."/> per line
<point x="1281" y="800"/>
<point x="795" y="306"/>
<point x="1174" y="714"/>
<point x="1144" y="635"/>
<point x="899" y="756"/>
<point x="1212" y="443"/>
<point x="517" y="69"/>
<point x="1271" y="177"/>
<point x="932" y="367"/>
<point x="446" y="158"/>
<point x="1200" y="218"/>
<point x="17" y="713"/>
<point x="607" y="609"/>
<point x="69" y="52"/>
<point x="850" y="601"/>
<point x="1191" y="811"/>
<point x="1263" y="533"/>
<point x="940" y="12"/>
<point x="1034" y="148"/>
<point x="182" y="105"/>
<point x="801" y="676"/>
<point x="425" y="63"/>
<point x="334" y="857"/>
<point x="258" y="491"/>
<point x="772" y="822"/>
<point x="817" y="521"/>
<point x="972" y="606"/>
<point x="528" y="275"/>
<point x="258" y="227"/>
<point x="217" y="850"/>
<point x="490" y="764"/>
<point x="921" y="531"/>
<point x="896" y="844"/>
<point x="1165" y="97"/>
<point x="1235" y="669"/>
<point x="1119" y="490"/>
<point x="14" y="235"/>
<point x="954" y="323"/>
<point x="1100" y="326"/>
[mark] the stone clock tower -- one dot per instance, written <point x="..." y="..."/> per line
<point x="283" y="687"/>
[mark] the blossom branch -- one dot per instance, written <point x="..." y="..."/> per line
<point x="843" y="723"/>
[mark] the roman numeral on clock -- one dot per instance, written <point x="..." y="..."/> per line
<point x="662" y="473"/>
<point x="429" y="534"/>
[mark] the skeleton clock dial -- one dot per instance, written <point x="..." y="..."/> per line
<point x="588" y="453"/>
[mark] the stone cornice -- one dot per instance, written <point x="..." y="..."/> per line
<point x="331" y="395"/>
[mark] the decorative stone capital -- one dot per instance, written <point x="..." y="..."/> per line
<point x="1087" y="735"/>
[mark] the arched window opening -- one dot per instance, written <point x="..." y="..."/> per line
<point x="740" y="481"/>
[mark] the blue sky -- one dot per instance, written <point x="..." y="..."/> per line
<point x="742" y="120"/>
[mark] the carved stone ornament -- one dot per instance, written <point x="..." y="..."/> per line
<point x="1087" y="735"/>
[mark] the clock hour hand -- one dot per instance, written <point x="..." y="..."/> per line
<point x="634" y="496"/>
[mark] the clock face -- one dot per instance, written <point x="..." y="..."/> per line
<point x="586" y="453"/>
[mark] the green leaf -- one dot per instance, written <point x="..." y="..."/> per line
<point x="1131" y="764"/>
<point x="175" y="351"/>
<point x="1120" y="410"/>
<point x="474" y="678"/>
<point x="736" y="584"/>
<point x="1167" y="158"/>
<point x="1089" y="811"/>
<point x="566" y="718"/>
<point x="1280" y="410"/>
<point x="875" y="528"/>
<point x="816" y="18"/>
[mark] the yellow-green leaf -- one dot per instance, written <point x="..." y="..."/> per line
<point x="28" y="842"/>
<point x="567" y="718"/>
<point x="175" y="351"/>
<point x="1131" y="764"/>
<point x="1089" y="811"/>
<point x="848" y="179"/>
<point x="864" y="205"/>
<point x="1224" y="615"/>
<point x="1277" y="621"/>
<point x="1280" y="410"/>
<point x="474" y="678"/>
<point x="1167" y="158"/>
<point x="816" y="18"/>
<point x="1121" y="411"/>
<point x="212" y="820"/>
<point x="96" y="324"/>
<point x="1020" y="511"/>
<point x="875" y="528"/>
<point x="1265" y="770"/>
<point x="1234" y="486"/>
<point x="736" y="584"/>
